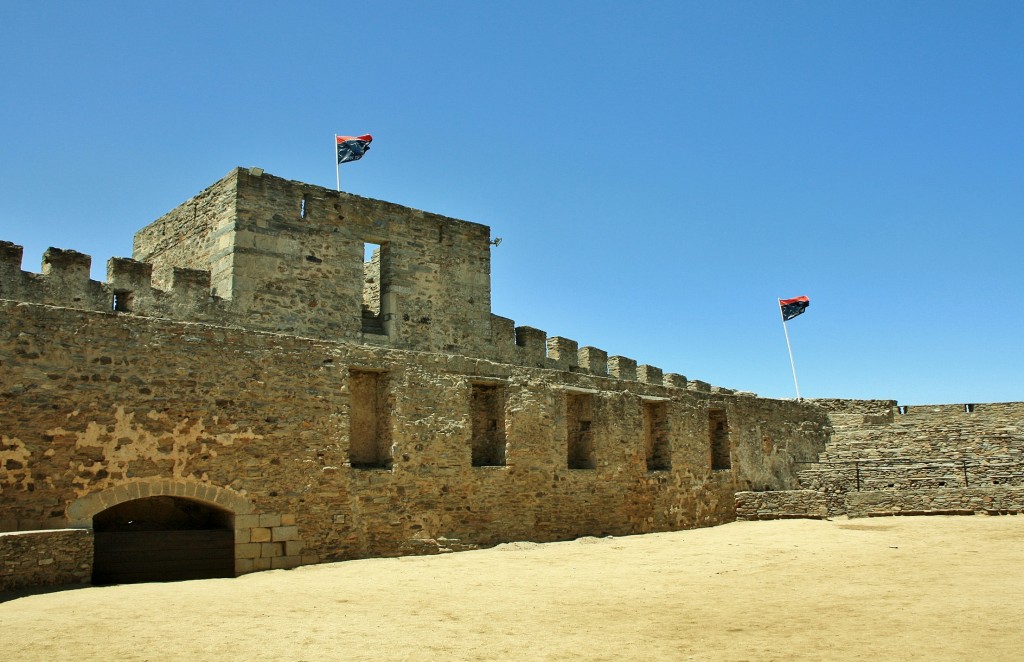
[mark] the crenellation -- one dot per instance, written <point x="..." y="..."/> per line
<point x="66" y="266"/>
<point x="674" y="380"/>
<point x="10" y="258"/>
<point x="190" y="283"/>
<point x="621" y="367"/>
<point x="649" y="374"/>
<point x="531" y="343"/>
<point x="564" y="352"/>
<point x="128" y="274"/>
<point x="503" y="336"/>
<point x="698" y="385"/>
<point x="594" y="360"/>
<point x="131" y="284"/>
<point x="13" y="281"/>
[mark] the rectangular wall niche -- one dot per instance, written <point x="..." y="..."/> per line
<point x="487" y="410"/>
<point x="718" y="429"/>
<point x="579" y="414"/>
<point x="375" y="272"/>
<point x="370" y="425"/>
<point x="656" y="436"/>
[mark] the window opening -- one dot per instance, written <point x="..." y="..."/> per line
<point x="369" y="423"/>
<point x="487" y="407"/>
<point x="579" y="416"/>
<point x="656" y="436"/>
<point x="969" y="408"/>
<point x="302" y="208"/>
<point x="373" y="292"/>
<point x="122" y="302"/>
<point x="718" y="430"/>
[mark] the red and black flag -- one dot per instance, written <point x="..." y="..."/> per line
<point x="793" y="307"/>
<point x="352" y="148"/>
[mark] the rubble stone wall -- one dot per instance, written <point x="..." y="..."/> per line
<point x="787" y="504"/>
<point x="961" y="501"/>
<point x="45" y="558"/>
<point x="98" y="400"/>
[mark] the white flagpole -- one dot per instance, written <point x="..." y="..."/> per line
<point x="790" y="348"/>
<point x="337" y="166"/>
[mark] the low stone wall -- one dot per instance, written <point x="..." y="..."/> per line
<point x="952" y="501"/>
<point x="780" y="505"/>
<point x="45" y="558"/>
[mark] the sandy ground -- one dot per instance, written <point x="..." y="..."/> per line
<point x="924" y="588"/>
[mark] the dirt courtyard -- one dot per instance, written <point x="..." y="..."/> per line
<point x="897" y="588"/>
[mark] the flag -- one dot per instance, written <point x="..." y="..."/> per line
<point x="352" y="148"/>
<point x="793" y="307"/>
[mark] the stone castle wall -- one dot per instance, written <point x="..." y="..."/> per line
<point x="249" y="358"/>
<point x="96" y="400"/>
<point x="232" y="363"/>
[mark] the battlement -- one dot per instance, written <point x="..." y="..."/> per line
<point x="268" y="254"/>
<point x="130" y="288"/>
<point x="133" y="287"/>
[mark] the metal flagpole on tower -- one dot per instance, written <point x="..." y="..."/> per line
<point x="790" y="348"/>
<point x="337" y="165"/>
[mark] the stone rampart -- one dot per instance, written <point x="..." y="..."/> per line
<point x="45" y="558"/>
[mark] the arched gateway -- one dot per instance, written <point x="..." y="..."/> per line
<point x="161" y="531"/>
<point x="160" y="539"/>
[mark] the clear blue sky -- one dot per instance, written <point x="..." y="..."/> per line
<point x="660" y="172"/>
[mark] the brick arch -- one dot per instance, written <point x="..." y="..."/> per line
<point x="80" y="512"/>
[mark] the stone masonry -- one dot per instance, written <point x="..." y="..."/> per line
<point x="250" y="370"/>
<point x="886" y="458"/>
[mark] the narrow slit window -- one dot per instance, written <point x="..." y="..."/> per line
<point x="487" y="409"/>
<point x="369" y="423"/>
<point x="656" y="436"/>
<point x="373" y="290"/>
<point x="718" y="430"/>
<point x="579" y="416"/>
<point x="302" y="207"/>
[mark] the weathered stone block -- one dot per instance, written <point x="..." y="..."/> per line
<point x="282" y="533"/>
<point x="285" y="562"/>
<point x="246" y="521"/>
<point x="247" y="551"/>
<point x="260" y="534"/>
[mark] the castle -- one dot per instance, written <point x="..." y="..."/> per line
<point x="284" y="374"/>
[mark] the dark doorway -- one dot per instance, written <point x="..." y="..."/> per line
<point x="162" y="539"/>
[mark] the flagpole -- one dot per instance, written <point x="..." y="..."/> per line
<point x="790" y="348"/>
<point x="337" y="166"/>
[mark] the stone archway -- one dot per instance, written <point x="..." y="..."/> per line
<point x="164" y="530"/>
<point x="262" y="540"/>
<point x="81" y="511"/>
<point x="160" y="539"/>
